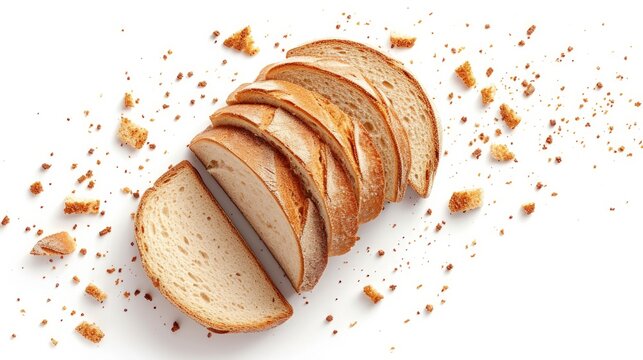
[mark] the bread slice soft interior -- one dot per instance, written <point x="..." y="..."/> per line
<point x="344" y="85"/>
<point x="408" y="101"/>
<point x="346" y="137"/>
<point x="259" y="181"/>
<point x="197" y="259"/>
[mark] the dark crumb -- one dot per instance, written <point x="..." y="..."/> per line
<point x="83" y="251"/>
<point x="529" y="208"/>
<point x="438" y="227"/>
<point x="531" y="29"/>
<point x="45" y="166"/>
<point x="5" y="220"/>
<point x="334" y="333"/>
<point x="392" y="287"/>
<point x="558" y="159"/>
<point x="175" y="327"/>
<point x="105" y="231"/>
<point x="179" y="76"/>
<point x="476" y="153"/>
<point x="39" y="232"/>
<point x="380" y="252"/>
<point x="137" y="291"/>
<point x="429" y="212"/>
<point x="539" y="185"/>
<point x="329" y="318"/>
<point x="599" y="85"/>
<point x="202" y="84"/>
<point x="165" y="106"/>
<point x="487" y="26"/>
<point x="489" y="71"/>
<point x="429" y="308"/>
<point x="36" y="188"/>
<point x="152" y="146"/>
<point x="521" y="43"/>
<point x="216" y="33"/>
<point x="148" y="297"/>
<point x="552" y="122"/>
<point x="449" y="267"/>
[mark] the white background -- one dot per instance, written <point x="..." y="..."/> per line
<point x="564" y="282"/>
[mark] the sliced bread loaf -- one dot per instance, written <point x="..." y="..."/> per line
<point x="259" y="181"/>
<point x="345" y="86"/>
<point x="347" y="138"/>
<point x="322" y="176"/>
<point x="197" y="259"/>
<point x="408" y="101"/>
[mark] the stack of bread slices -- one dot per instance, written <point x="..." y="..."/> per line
<point x="308" y="152"/>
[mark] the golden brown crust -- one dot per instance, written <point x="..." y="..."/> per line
<point x="402" y="41"/>
<point x="501" y="152"/>
<point x="56" y="244"/>
<point x="90" y="332"/>
<point x="373" y="294"/>
<point x="465" y="74"/>
<point x="430" y="115"/>
<point x="132" y="134"/>
<point x="242" y="41"/>
<point x="128" y="100"/>
<point x="529" y="208"/>
<point x="509" y="116"/>
<point x="36" y="188"/>
<point x="465" y="200"/>
<point x="488" y="95"/>
<point x="209" y="323"/>
<point x="75" y="206"/>
<point x="95" y="292"/>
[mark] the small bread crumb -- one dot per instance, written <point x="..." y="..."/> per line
<point x="501" y="152"/>
<point x="373" y="294"/>
<point x="54" y="342"/>
<point x="242" y="41"/>
<point x="132" y="134"/>
<point x="531" y="30"/>
<point x="529" y="90"/>
<point x="75" y="279"/>
<point x="128" y="101"/>
<point x="429" y="308"/>
<point x="90" y="332"/>
<point x="380" y="252"/>
<point x="36" y="188"/>
<point x="175" y="327"/>
<point x="5" y="220"/>
<point x="202" y="84"/>
<point x="329" y="318"/>
<point x="465" y="200"/>
<point x="95" y="292"/>
<point x="45" y="166"/>
<point x="56" y="244"/>
<point x="529" y="208"/>
<point x="465" y="74"/>
<point x="105" y="231"/>
<point x="488" y="94"/>
<point x="509" y="116"/>
<point x="78" y="206"/>
<point x="489" y="71"/>
<point x="402" y="41"/>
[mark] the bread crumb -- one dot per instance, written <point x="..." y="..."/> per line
<point x="90" y="332"/>
<point x="329" y="318"/>
<point x="93" y="291"/>
<point x="429" y="308"/>
<point x="488" y="94"/>
<point x="465" y="200"/>
<point x="509" y="116"/>
<point x="132" y="134"/>
<point x="54" y="342"/>
<point x="476" y="153"/>
<point x="5" y="220"/>
<point x="501" y="152"/>
<point x="128" y="101"/>
<point x="79" y="206"/>
<point x="43" y="322"/>
<point x="465" y="74"/>
<point x="175" y="327"/>
<point x="402" y="41"/>
<point x="202" y="84"/>
<point x="531" y="30"/>
<point x="45" y="166"/>
<point x="36" y="188"/>
<point x="489" y="71"/>
<point x="56" y="244"/>
<point x="373" y="294"/>
<point x="75" y="279"/>
<point x="83" y="252"/>
<point x="242" y="41"/>
<point x="380" y="252"/>
<point x="105" y="231"/>
<point x="449" y="267"/>
<point x="529" y="208"/>
<point x="529" y="90"/>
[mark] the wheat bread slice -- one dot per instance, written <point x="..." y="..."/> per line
<point x="259" y="181"/>
<point x="408" y="101"/>
<point x="197" y="259"/>
<point x="345" y="86"/>
<point x="324" y="179"/>
<point x="346" y="137"/>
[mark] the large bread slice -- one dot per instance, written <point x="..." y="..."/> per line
<point x="345" y="86"/>
<point x="407" y="98"/>
<point x="322" y="176"/>
<point x="197" y="259"/>
<point x="347" y="138"/>
<point x="259" y="181"/>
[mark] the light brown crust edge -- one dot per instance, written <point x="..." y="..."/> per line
<point x="432" y="115"/>
<point x="219" y="327"/>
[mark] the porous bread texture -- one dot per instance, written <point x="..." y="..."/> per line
<point x="197" y="259"/>
<point x="260" y="183"/>
<point x="90" y="332"/>
<point x="242" y="41"/>
<point x="465" y="200"/>
<point x="131" y="134"/>
<point x="56" y="244"/>
<point x="408" y="101"/>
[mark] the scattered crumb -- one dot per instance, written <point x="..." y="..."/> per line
<point x="98" y="294"/>
<point x="465" y="200"/>
<point x="128" y="101"/>
<point x="79" y="206"/>
<point x="5" y="220"/>
<point x="531" y="30"/>
<point x="57" y="244"/>
<point x="529" y="208"/>
<point x="501" y="152"/>
<point x="132" y="134"/>
<point x="175" y="327"/>
<point x="429" y="308"/>
<point x="509" y="116"/>
<point x="242" y="41"/>
<point x="465" y="74"/>
<point x="529" y="90"/>
<point x="449" y="267"/>
<point x="45" y="166"/>
<point x="54" y="342"/>
<point x="489" y="71"/>
<point x="329" y="318"/>
<point x="476" y="153"/>
<point x="75" y="279"/>
<point x="488" y="94"/>
<point x="43" y="322"/>
<point x="202" y="84"/>
<point x="373" y="294"/>
<point x="105" y="231"/>
<point x="380" y="252"/>
<point x="402" y="41"/>
<point x="83" y="252"/>
<point x="90" y="332"/>
<point x="36" y="188"/>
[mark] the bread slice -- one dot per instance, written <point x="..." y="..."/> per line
<point x="197" y="259"/>
<point x="322" y="176"/>
<point x="408" y="101"/>
<point x="347" y="138"/>
<point x="344" y="86"/>
<point x="259" y="181"/>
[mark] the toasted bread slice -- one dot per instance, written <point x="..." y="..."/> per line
<point x="197" y="259"/>
<point x="322" y="176"/>
<point x="408" y="101"/>
<point x="347" y="138"/>
<point x="259" y="181"/>
<point x="345" y="86"/>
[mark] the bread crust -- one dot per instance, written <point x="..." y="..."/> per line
<point x="312" y="269"/>
<point x="346" y="137"/>
<point x="329" y="185"/>
<point x="351" y="77"/>
<point x="209" y="323"/>
<point x="424" y="186"/>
